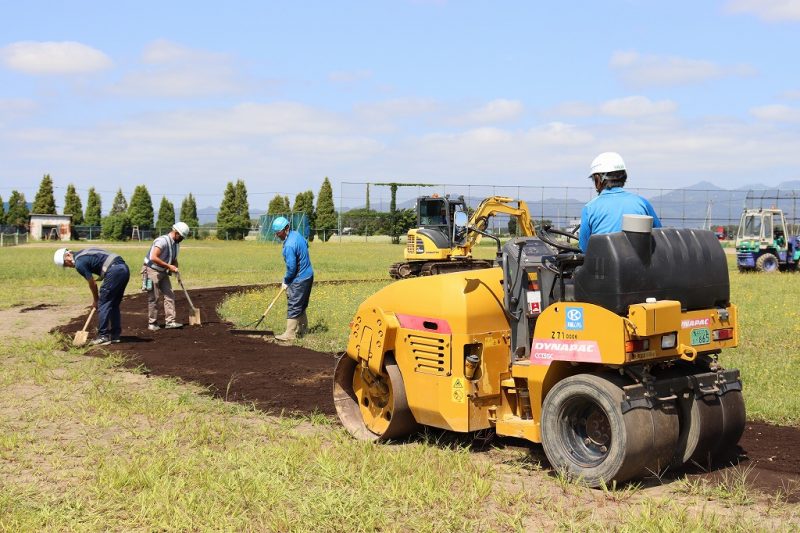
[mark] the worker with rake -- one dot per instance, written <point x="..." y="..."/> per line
<point x="159" y="263"/>
<point x="114" y="273"/>
<point x="297" y="280"/>
<point x="603" y="214"/>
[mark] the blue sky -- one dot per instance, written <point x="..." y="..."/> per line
<point x="185" y="96"/>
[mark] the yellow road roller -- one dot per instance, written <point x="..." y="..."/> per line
<point x="609" y="359"/>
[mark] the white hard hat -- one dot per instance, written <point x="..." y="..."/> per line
<point x="58" y="257"/>
<point x="607" y="162"/>
<point x="182" y="228"/>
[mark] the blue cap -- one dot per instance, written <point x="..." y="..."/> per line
<point x="279" y="223"/>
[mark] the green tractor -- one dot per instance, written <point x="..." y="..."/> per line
<point x="762" y="243"/>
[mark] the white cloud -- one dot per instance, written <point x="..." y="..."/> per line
<point x="175" y="71"/>
<point x="349" y="76"/>
<point x="66" y="57"/>
<point x="499" y="110"/>
<point x="792" y="95"/>
<point x="653" y="70"/>
<point x="17" y="106"/>
<point x="776" y="113"/>
<point x="637" y="106"/>
<point x="769" y="10"/>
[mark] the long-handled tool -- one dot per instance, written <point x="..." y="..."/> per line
<point x="82" y="336"/>
<point x="194" y="318"/>
<point x="258" y="322"/>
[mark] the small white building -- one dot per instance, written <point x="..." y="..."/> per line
<point x="50" y="227"/>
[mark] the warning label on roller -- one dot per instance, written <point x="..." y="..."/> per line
<point x="458" y="391"/>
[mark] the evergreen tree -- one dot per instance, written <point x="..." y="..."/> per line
<point x="326" y="220"/>
<point x="45" y="203"/>
<point x="72" y="205"/>
<point x="140" y="210"/>
<point x="2" y="211"/>
<point x="304" y="203"/>
<point x="120" y="205"/>
<point x="17" y="210"/>
<point x="278" y="206"/>
<point x="243" y="206"/>
<point x="189" y="213"/>
<point x="93" y="209"/>
<point x="117" y="227"/>
<point x="231" y="224"/>
<point x="166" y="215"/>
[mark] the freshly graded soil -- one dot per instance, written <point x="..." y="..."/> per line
<point x="291" y="379"/>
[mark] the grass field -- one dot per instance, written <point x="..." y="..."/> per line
<point x="86" y="446"/>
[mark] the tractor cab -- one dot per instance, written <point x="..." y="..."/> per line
<point x="762" y="243"/>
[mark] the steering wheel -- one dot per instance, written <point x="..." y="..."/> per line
<point x="546" y="233"/>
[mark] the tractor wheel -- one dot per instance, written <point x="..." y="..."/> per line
<point x="767" y="263"/>
<point x="585" y="433"/>
<point x="372" y="406"/>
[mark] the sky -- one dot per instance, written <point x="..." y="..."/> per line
<point x="185" y="96"/>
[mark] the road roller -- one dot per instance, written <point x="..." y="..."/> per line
<point x="610" y="359"/>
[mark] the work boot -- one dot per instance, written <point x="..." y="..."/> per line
<point x="302" y="325"/>
<point x="291" y="331"/>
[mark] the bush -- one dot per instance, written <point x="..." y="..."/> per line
<point x="117" y="227"/>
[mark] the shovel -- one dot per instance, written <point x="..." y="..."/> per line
<point x="82" y="336"/>
<point x="259" y="321"/>
<point x="194" y="318"/>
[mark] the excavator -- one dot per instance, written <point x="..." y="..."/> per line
<point x="434" y="247"/>
<point x="610" y="359"/>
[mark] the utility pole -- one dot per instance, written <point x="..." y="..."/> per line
<point x="393" y="205"/>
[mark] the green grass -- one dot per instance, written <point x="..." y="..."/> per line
<point x="85" y="445"/>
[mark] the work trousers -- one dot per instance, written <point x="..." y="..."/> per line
<point x="161" y="287"/>
<point x="297" y="294"/>
<point x="109" y="298"/>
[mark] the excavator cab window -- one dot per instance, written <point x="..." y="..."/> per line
<point x="433" y="212"/>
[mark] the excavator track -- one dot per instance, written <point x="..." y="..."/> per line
<point x="412" y="269"/>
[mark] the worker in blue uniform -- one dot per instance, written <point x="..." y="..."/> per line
<point x="113" y="272"/>
<point x="603" y="214"/>
<point x="297" y="281"/>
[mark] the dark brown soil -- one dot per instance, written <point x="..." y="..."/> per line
<point x="290" y="379"/>
<point x="36" y="308"/>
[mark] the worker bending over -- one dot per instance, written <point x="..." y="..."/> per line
<point x="113" y="272"/>
<point x="603" y="214"/>
<point x="297" y="281"/>
<point x="160" y="262"/>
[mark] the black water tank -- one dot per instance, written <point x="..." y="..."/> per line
<point x="687" y="265"/>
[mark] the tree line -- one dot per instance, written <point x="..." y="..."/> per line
<point x="233" y="217"/>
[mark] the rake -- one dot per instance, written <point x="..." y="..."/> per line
<point x="258" y="322"/>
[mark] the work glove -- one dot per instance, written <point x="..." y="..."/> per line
<point x="283" y="286"/>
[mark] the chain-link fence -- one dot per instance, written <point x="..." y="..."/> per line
<point x="362" y="205"/>
<point x="12" y="239"/>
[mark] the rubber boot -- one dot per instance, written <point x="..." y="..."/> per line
<point x="291" y="331"/>
<point x="302" y="326"/>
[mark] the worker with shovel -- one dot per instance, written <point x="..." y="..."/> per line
<point x="297" y="280"/>
<point x="112" y="270"/>
<point x="159" y="263"/>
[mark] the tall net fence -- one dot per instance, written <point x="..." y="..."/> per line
<point x="361" y="204"/>
<point x="11" y="236"/>
<point x="297" y="221"/>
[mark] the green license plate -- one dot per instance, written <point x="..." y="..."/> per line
<point x="700" y="336"/>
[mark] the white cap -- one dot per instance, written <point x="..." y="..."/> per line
<point x="182" y="228"/>
<point x="58" y="257"/>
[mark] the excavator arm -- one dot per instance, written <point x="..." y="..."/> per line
<point x="494" y="205"/>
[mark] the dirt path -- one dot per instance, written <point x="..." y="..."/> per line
<point x="286" y="378"/>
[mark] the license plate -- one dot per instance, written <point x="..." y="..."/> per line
<point x="700" y="336"/>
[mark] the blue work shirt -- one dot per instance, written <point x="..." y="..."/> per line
<point x="295" y="255"/>
<point x="91" y="260"/>
<point x="603" y="214"/>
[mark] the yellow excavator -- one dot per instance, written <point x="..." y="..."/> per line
<point x="609" y="359"/>
<point x="434" y="247"/>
